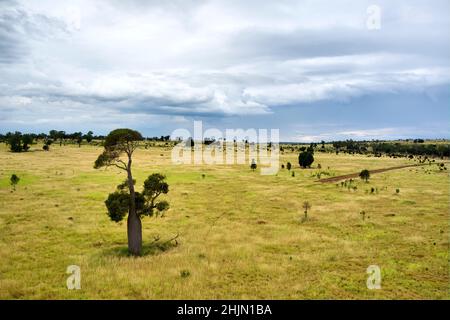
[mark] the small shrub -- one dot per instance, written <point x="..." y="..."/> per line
<point x="306" y="207"/>
<point x="185" y="273"/>
<point x="365" y="175"/>
<point x="14" y="180"/>
<point x="363" y="215"/>
<point x="397" y="191"/>
<point x="253" y="165"/>
<point x="305" y="159"/>
<point x="289" y="166"/>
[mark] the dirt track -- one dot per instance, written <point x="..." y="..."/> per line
<point x="356" y="175"/>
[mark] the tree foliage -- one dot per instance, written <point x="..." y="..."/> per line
<point x="19" y="142"/>
<point x="365" y="175"/>
<point x="118" y="141"/>
<point x="253" y="165"/>
<point x="305" y="159"/>
<point x="118" y="202"/>
<point x="14" y="180"/>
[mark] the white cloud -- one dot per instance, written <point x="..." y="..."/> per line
<point x="213" y="58"/>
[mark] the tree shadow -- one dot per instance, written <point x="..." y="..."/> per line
<point x="148" y="249"/>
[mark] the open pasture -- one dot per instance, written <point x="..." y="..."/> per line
<point x="241" y="234"/>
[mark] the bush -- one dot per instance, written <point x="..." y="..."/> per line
<point x="305" y="159"/>
<point x="253" y="165"/>
<point x="306" y="206"/>
<point x="118" y="202"/>
<point x="185" y="273"/>
<point x="14" y="180"/>
<point x="365" y="175"/>
<point x="363" y="215"/>
<point x="15" y="142"/>
<point x="289" y="166"/>
<point x="19" y="142"/>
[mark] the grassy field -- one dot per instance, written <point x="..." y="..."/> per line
<point x="240" y="233"/>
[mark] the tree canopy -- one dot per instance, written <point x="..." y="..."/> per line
<point x="365" y="175"/>
<point x="305" y="159"/>
<point x="117" y="142"/>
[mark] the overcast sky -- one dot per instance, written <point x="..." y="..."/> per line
<point x="313" y="69"/>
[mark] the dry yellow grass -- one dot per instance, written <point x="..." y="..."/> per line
<point x="240" y="232"/>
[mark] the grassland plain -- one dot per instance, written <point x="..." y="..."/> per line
<point x="241" y="235"/>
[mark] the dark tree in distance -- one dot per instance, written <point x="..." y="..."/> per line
<point x="289" y="166"/>
<point x="14" y="180"/>
<point x="27" y="139"/>
<point x="365" y="175"/>
<point x="15" y="142"/>
<point x="305" y="159"/>
<point x="89" y="136"/>
<point x="253" y="165"/>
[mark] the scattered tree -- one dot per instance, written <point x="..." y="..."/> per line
<point x="118" y="142"/>
<point x="306" y="207"/>
<point x="364" y="175"/>
<point x="253" y="165"/>
<point x="19" y="142"/>
<point x="89" y="137"/>
<point x="47" y="143"/>
<point x="363" y="215"/>
<point x="305" y="159"/>
<point x="78" y="138"/>
<point x="27" y="139"/>
<point x="15" y="142"/>
<point x="14" y="180"/>
<point x="289" y="166"/>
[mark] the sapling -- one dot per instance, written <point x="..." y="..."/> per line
<point x="14" y="180"/>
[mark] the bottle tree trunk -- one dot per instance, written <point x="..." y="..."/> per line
<point x="134" y="226"/>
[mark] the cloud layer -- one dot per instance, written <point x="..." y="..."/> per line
<point x="156" y="65"/>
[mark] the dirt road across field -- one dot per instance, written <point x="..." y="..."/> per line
<point x="356" y="175"/>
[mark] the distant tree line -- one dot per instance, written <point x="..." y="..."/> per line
<point x="162" y="138"/>
<point x="20" y="142"/>
<point x="440" y="150"/>
<point x="417" y="148"/>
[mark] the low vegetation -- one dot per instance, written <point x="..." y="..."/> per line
<point x="228" y="233"/>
